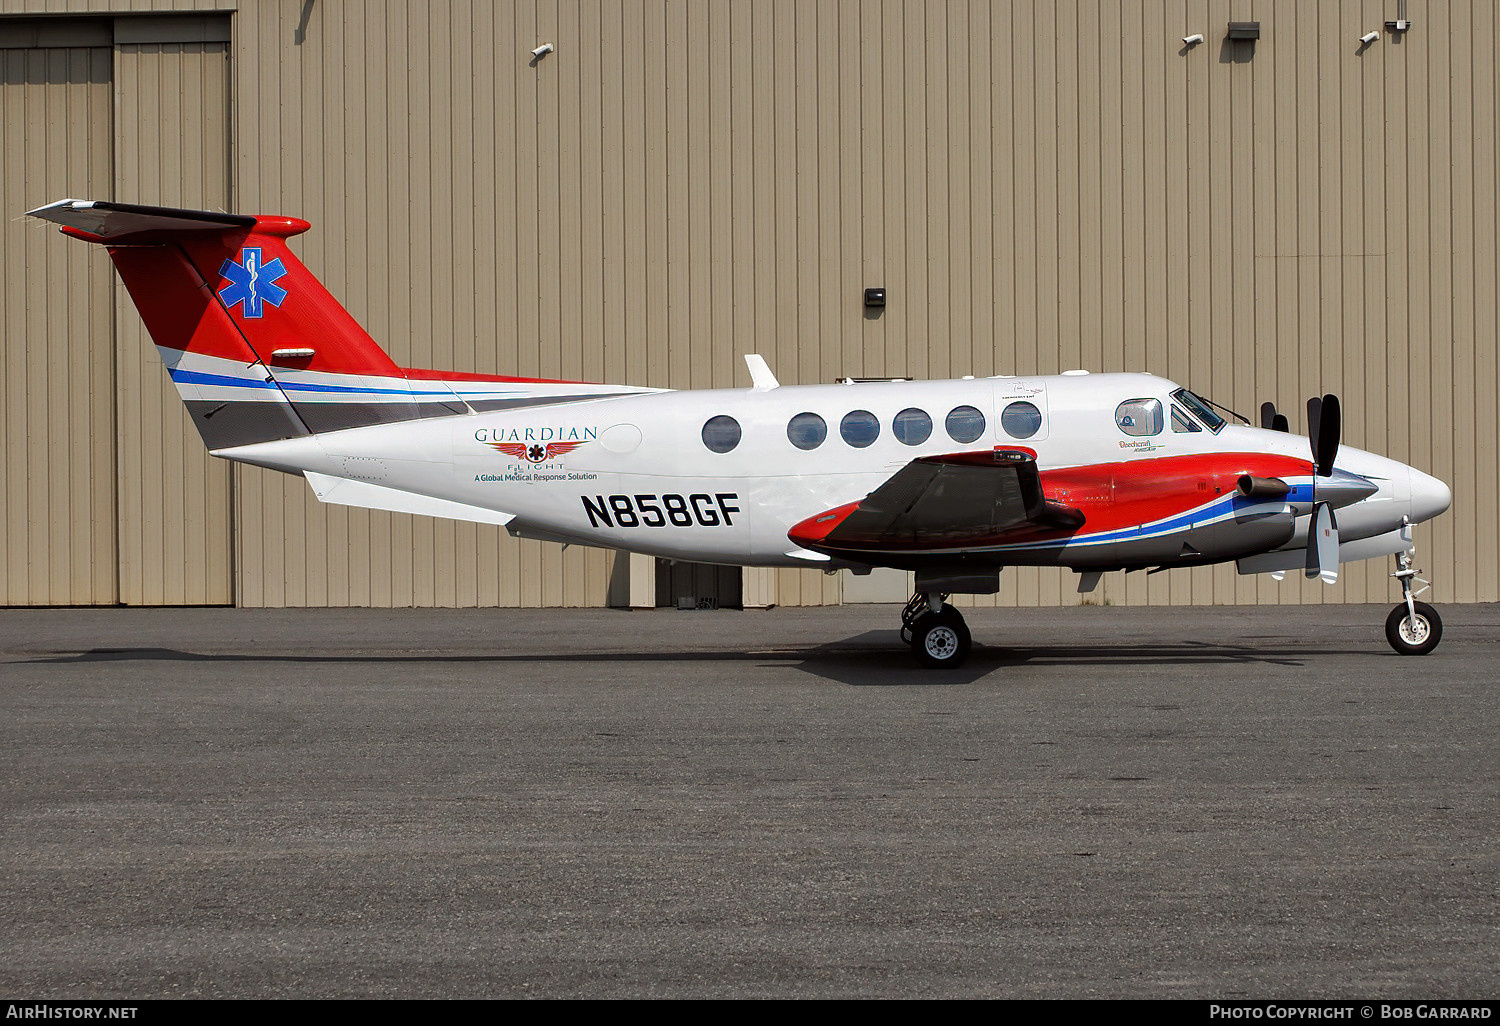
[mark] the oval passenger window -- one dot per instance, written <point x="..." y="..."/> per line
<point x="911" y="427"/>
<point x="964" y="424"/>
<point x="721" y="433"/>
<point x="806" y="430"/>
<point x="1021" y="419"/>
<point x="859" y="428"/>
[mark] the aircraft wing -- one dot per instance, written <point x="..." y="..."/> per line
<point x="943" y="503"/>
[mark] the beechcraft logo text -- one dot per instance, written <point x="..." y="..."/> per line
<point x="252" y="282"/>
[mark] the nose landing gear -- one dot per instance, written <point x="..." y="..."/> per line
<point x="935" y="631"/>
<point x="1413" y="628"/>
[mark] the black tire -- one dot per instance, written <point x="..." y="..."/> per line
<point x="941" y="640"/>
<point x="1414" y="639"/>
<point x="908" y="630"/>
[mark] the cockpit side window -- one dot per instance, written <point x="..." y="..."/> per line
<point x="1139" y="417"/>
<point x="1182" y="423"/>
<point x="1200" y="408"/>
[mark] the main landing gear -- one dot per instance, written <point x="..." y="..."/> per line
<point x="1413" y="628"/>
<point x="935" y="631"/>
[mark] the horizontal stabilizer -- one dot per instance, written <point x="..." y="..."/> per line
<point x="343" y="492"/>
<point x="121" y="221"/>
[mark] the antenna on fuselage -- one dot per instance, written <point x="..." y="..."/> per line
<point x="761" y="378"/>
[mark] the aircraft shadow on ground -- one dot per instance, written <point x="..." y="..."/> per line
<point x="871" y="659"/>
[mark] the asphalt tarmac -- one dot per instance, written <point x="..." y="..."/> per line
<point x="1104" y="802"/>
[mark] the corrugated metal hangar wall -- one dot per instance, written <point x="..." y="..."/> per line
<point x="1038" y="185"/>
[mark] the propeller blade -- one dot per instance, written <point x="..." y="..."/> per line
<point x="1324" y="424"/>
<point x="1267" y="415"/>
<point x="1329" y="429"/>
<point x="1323" y="544"/>
<point x="1280" y="423"/>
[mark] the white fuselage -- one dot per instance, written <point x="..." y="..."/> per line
<point x="637" y="474"/>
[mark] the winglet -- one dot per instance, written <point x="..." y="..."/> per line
<point x="761" y="378"/>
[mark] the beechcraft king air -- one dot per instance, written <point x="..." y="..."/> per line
<point x="953" y="480"/>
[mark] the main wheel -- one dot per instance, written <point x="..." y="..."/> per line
<point x="1414" y="636"/>
<point x="941" y="640"/>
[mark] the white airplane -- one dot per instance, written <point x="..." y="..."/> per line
<point x="951" y="479"/>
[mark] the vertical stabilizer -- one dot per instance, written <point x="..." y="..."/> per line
<point x="258" y="348"/>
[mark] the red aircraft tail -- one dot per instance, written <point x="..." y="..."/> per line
<point x="257" y="347"/>
<point x="255" y="344"/>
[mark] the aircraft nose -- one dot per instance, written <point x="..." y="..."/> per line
<point x="1429" y="497"/>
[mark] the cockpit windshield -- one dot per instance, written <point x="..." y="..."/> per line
<point x="1200" y="408"/>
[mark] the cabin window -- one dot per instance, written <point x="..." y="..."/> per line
<point x="1021" y="419"/>
<point x="1139" y="416"/>
<point x="806" y="430"/>
<point x="859" y="428"/>
<point x="964" y="424"/>
<point x="721" y="433"/>
<point x="911" y="427"/>
<point x="1182" y="423"/>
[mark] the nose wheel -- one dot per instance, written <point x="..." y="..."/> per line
<point x="1414" y="631"/>
<point x="1413" y="628"/>
<point x="935" y="631"/>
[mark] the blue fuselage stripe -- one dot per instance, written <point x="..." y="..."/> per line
<point x="1219" y="509"/>
<point x="189" y="377"/>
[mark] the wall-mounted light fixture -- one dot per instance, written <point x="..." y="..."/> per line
<point x="1192" y="40"/>
<point x="874" y="298"/>
<point x="1244" y="30"/>
<point x="1401" y="23"/>
<point x="1369" y="37"/>
<point x="543" y="50"/>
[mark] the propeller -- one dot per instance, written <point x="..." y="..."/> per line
<point x="1324" y="424"/>
<point x="1271" y="420"/>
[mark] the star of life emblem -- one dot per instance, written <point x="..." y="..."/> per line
<point x="534" y="453"/>
<point x="252" y="282"/>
